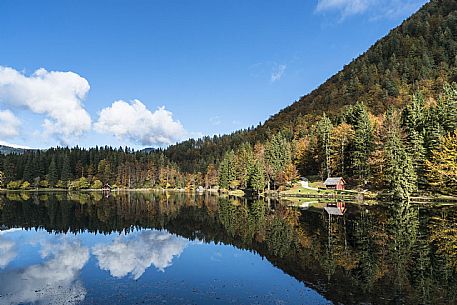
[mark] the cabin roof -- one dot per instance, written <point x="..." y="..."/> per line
<point x="333" y="180"/>
<point x="333" y="211"/>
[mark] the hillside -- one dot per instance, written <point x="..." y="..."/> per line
<point x="420" y="54"/>
<point x="10" y="150"/>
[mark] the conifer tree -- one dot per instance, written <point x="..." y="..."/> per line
<point x="363" y="143"/>
<point x="277" y="154"/>
<point x="450" y="107"/>
<point x="442" y="168"/>
<point x="66" y="169"/>
<point x="413" y="121"/>
<point x="324" y="128"/>
<point x="257" y="177"/>
<point x="341" y="137"/>
<point x="227" y="170"/>
<point x="400" y="176"/>
<point x="52" y="173"/>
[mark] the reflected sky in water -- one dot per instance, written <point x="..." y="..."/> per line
<point x="151" y="266"/>
<point x="154" y="248"/>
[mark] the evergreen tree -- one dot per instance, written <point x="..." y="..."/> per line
<point x="28" y="170"/>
<point x="277" y="154"/>
<point x="66" y="175"/>
<point x="442" y="168"/>
<point x="449" y="102"/>
<point x="53" y="175"/>
<point x="363" y="143"/>
<point x="341" y="138"/>
<point x="400" y="176"/>
<point x="324" y="128"/>
<point x="226" y="170"/>
<point x="413" y="121"/>
<point x="257" y="177"/>
<point x="244" y="163"/>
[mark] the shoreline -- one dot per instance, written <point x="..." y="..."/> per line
<point x="353" y="197"/>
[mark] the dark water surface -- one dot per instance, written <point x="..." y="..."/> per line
<point x="147" y="248"/>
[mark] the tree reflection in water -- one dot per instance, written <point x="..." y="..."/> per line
<point x="390" y="253"/>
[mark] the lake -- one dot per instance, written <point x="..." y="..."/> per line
<point x="176" y="248"/>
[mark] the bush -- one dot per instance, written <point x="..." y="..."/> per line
<point x="79" y="184"/>
<point x="14" y="185"/>
<point x="25" y="185"/>
<point x="61" y="184"/>
<point x="83" y="183"/>
<point x="97" y="184"/>
<point x="44" y="183"/>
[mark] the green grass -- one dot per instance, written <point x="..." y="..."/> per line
<point x="238" y="193"/>
<point x="297" y="189"/>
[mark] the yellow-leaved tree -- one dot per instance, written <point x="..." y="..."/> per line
<point x="442" y="168"/>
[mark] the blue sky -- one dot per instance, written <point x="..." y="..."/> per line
<point x="150" y="73"/>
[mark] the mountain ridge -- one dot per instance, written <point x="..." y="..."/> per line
<point x="419" y="54"/>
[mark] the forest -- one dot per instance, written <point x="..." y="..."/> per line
<point x="386" y="122"/>
<point x="399" y="151"/>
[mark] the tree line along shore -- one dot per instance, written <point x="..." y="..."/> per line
<point x="402" y="152"/>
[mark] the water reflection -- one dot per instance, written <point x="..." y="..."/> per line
<point x="55" y="281"/>
<point x="7" y="248"/>
<point x="138" y="251"/>
<point x="393" y="253"/>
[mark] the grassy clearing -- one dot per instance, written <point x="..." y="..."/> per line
<point x="297" y="189"/>
<point x="237" y="193"/>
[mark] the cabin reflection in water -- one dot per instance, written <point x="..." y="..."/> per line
<point x="336" y="209"/>
<point x="395" y="253"/>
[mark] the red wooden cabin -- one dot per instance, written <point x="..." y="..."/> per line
<point x="335" y="183"/>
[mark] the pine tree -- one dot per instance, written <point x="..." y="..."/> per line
<point x="340" y="138"/>
<point x="324" y="128"/>
<point x="66" y="175"/>
<point x="400" y="176"/>
<point x="277" y="155"/>
<point x="244" y="162"/>
<point x="363" y="143"/>
<point x="449" y="101"/>
<point x="2" y="179"/>
<point x="53" y="175"/>
<point x="257" y="177"/>
<point x="28" y="170"/>
<point x="442" y="168"/>
<point x="413" y="121"/>
<point x="226" y="170"/>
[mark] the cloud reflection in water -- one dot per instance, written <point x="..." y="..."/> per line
<point x="7" y="249"/>
<point x="135" y="253"/>
<point x="52" y="282"/>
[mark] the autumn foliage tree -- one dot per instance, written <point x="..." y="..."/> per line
<point x="442" y="168"/>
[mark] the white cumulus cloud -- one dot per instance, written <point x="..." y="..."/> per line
<point x="57" y="95"/>
<point x="9" y="124"/>
<point x="134" y="122"/>
<point x="137" y="252"/>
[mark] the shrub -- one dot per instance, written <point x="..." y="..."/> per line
<point x="25" y="185"/>
<point x="14" y="185"/>
<point x="97" y="184"/>
<point x="44" y="183"/>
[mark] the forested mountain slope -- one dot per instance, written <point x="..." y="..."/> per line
<point x="420" y="54"/>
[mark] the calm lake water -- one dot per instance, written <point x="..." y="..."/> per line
<point x="147" y="248"/>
